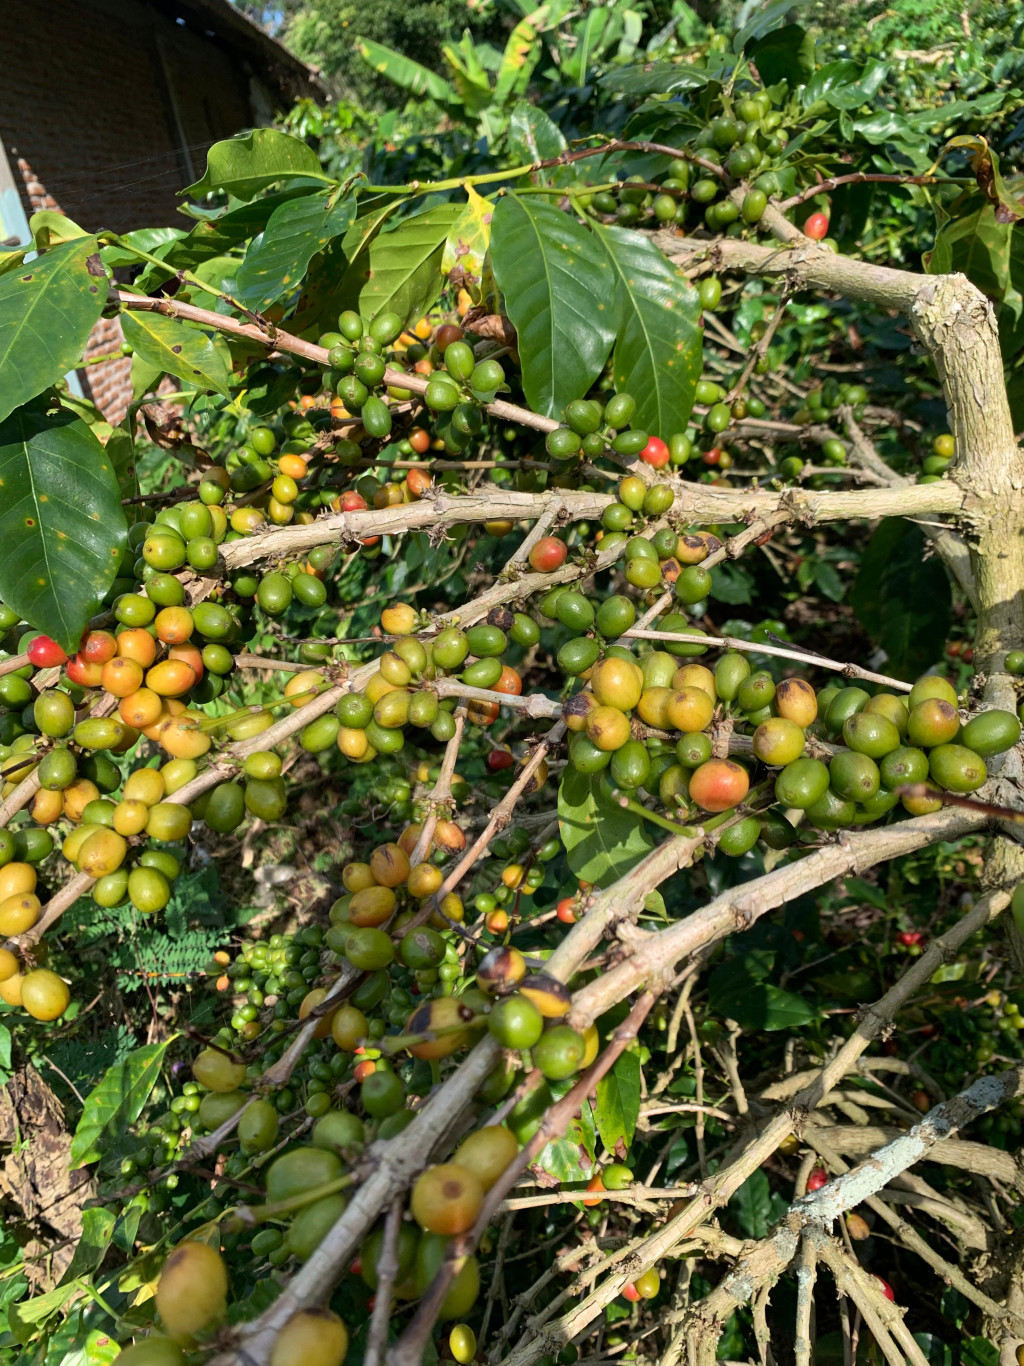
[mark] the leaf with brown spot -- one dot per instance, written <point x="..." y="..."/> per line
<point x="46" y="315"/>
<point x="177" y="348"/>
<point x="985" y="165"/>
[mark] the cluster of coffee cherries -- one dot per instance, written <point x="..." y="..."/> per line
<point x="934" y="466"/>
<point x="590" y="427"/>
<point x="192" y="1295"/>
<point x="889" y="742"/>
<point x="306" y="1187"/>
<point x="744" y="140"/>
<point x="40" y="992"/>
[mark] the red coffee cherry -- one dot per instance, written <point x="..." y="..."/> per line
<point x="549" y="553"/>
<point x="655" y="453"/>
<point x="816" y="226"/>
<point x="817" y="1179"/>
<point x="886" y="1288"/>
<point x="45" y="653"/>
<point x="566" y="910"/>
<point x="719" y="785"/>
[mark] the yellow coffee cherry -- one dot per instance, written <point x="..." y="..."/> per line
<point x="144" y="785"/>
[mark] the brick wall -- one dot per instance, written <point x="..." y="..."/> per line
<point x="103" y="104"/>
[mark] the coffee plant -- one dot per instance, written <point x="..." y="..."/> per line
<point x="584" y="556"/>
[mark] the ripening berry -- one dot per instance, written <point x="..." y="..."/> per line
<point x="217" y="1071"/>
<point x="154" y="1350"/>
<point x="655" y="453"/>
<point x="487" y="1153"/>
<point x="44" y="995"/>
<point x="191" y="1294"/>
<point x="885" y="1288"/>
<point x="447" y="1199"/>
<point x="816" y="226"/>
<point x="45" y="653"/>
<point x="549" y="553"/>
<point x="596" y="1183"/>
<point x="719" y="785"/>
<point x="462" y="1343"/>
<point x="313" y="1337"/>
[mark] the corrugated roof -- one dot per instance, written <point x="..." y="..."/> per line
<point x="280" y="69"/>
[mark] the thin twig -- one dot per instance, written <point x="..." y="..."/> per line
<point x="806" y="1272"/>
<point x="387" y="1272"/>
<point x="809" y="657"/>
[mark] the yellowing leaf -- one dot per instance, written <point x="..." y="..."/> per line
<point x="468" y="243"/>
<point x="520" y="56"/>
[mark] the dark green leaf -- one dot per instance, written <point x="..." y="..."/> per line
<point x="243" y="166"/>
<point x="533" y="137"/>
<point x="736" y="975"/>
<point x="770" y="16"/>
<point x="177" y="348"/>
<point x="93" y="1241"/>
<point x="121" y="450"/>
<point x="978" y="1352"/>
<point x="328" y="287"/>
<point x="784" y="54"/>
<point x="751" y="1204"/>
<point x="26" y="1317"/>
<point x="618" y="1101"/>
<point x="936" y="1352"/>
<point x="826" y="576"/>
<point x="410" y="75"/>
<point x="845" y="986"/>
<point x="588" y="1129"/>
<point x="988" y="252"/>
<point x="151" y="240"/>
<point x="127" y="1228"/>
<point x="48" y="307"/>
<point x="885" y="126"/>
<point x="400" y="271"/>
<point x="566" y="1158"/>
<point x="845" y="85"/>
<point x="296" y="231"/>
<point x="733" y="584"/>
<point x="738" y="992"/>
<point x="601" y="840"/>
<point x="117" y="1101"/>
<point x="663" y="78"/>
<point x="659" y="341"/>
<point x="902" y="599"/>
<point x="658" y="121"/>
<point x="61" y="525"/>
<point x="557" y="285"/>
<point x="217" y="235"/>
<point x="770" y="1008"/>
<point x="954" y="1306"/>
